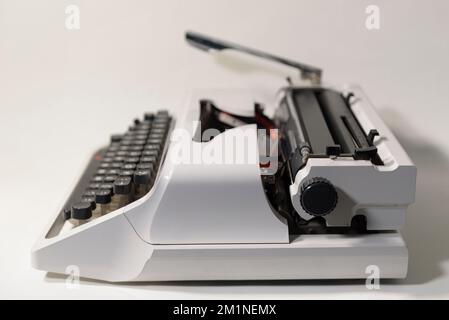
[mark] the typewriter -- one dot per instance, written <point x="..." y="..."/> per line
<point x="313" y="186"/>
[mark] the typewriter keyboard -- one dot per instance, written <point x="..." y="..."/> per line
<point x="122" y="172"/>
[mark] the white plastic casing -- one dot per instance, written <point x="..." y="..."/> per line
<point x="213" y="222"/>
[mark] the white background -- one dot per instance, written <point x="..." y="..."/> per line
<point x="62" y="92"/>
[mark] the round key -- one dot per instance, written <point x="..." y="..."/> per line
<point x="89" y="192"/>
<point x="145" y="166"/>
<point x="132" y="160"/>
<point x="148" y="159"/>
<point x="162" y="113"/>
<point x="150" y="153"/>
<point x="116" y="137"/>
<point x="142" y="176"/>
<point x="139" y="142"/>
<point x="94" y="185"/>
<point x="101" y="172"/>
<point x="154" y="135"/>
<point x="143" y="126"/>
<point x="152" y="146"/>
<point x="112" y="172"/>
<point x="107" y="186"/>
<point x="126" y="142"/>
<point x="134" y="154"/>
<point x="109" y="154"/>
<point x="129" y="166"/>
<point x="149" y="116"/>
<point x="91" y="200"/>
<point x="119" y="159"/>
<point x="154" y="141"/>
<point x="160" y="123"/>
<point x="97" y="178"/>
<point x="141" y="132"/>
<point x="110" y="179"/>
<point x="127" y="173"/>
<point x="116" y="165"/>
<point x="122" y="185"/>
<point x="158" y="131"/>
<point x="136" y="148"/>
<point x="67" y="214"/>
<point x="113" y="148"/>
<point x="103" y="196"/>
<point x="124" y="148"/>
<point x="81" y="211"/>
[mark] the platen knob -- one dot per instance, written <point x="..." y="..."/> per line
<point x="318" y="197"/>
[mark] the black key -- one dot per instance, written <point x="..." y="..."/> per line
<point x="124" y="148"/>
<point x="97" y="178"/>
<point x="148" y="159"/>
<point x="153" y="146"/>
<point x="132" y="160"/>
<point x="162" y="113"/>
<point x="107" y="160"/>
<point x="121" y="153"/>
<point x="139" y="142"/>
<point x="149" y="116"/>
<point x="116" y="137"/>
<point x="126" y="142"/>
<point x="109" y="154"/>
<point x="155" y="135"/>
<point x="127" y="173"/>
<point x="94" y="185"/>
<point x="158" y="131"/>
<point x="101" y="172"/>
<point x="141" y="132"/>
<point x="116" y="165"/>
<point x="110" y="179"/>
<point x="142" y="176"/>
<point x="134" y="154"/>
<point x="150" y="153"/>
<point x="145" y="166"/>
<point x="105" y="165"/>
<point x="106" y="186"/>
<point x="129" y="166"/>
<point x="122" y="185"/>
<point x="113" y="149"/>
<point x="89" y="192"/>
<point x="113" y="172"/>
<point x="154" y="141"/>
<point x="81" y="211"/>
<point x="136" y="148"/>
<point x="119" y="159"/>
<point x="103" y="196"/>
<point x="91" y="200"/>
<point x="144" y="126"/>
<point x="67" y="214"/>
<point x="160" y="125"/>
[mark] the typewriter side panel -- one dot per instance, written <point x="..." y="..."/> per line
<point x="108" y="250"/>
<point x="306" y="257"/>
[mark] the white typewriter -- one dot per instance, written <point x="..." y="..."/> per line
<point x="313" y="186"/>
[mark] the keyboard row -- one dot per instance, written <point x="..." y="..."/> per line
<point x="126" y="169"/>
